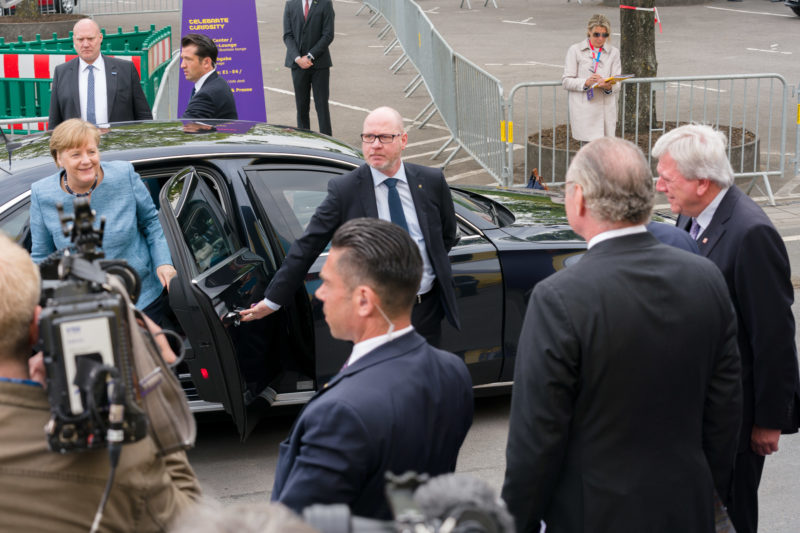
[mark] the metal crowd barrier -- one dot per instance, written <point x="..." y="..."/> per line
<point x="165" y="106"/>
<point x="112" y="7"/>
<point x="469" y="100"/>
<point x="796" y="159"/>
<point x="750" y="109"/>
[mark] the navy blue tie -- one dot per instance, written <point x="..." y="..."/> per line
<point x="90" y="115"/>
<point x="194" y="90"/>
<point x="395" y="205"/>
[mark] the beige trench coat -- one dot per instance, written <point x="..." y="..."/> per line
<point x="591" y="119"/>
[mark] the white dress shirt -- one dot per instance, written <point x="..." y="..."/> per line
<point x="382" y="199"/>
<point x="100" y="93"/>
<point x="613" y="233"/>
<point x="199" y="83"/>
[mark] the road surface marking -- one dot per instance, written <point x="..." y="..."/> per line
<point x="750" y="12"/>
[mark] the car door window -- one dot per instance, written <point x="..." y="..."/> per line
<point x="201" y="221"/>
<point x="290" y="195"/>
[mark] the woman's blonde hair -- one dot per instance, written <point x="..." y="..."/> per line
<point x="72" y="133"/>
<point x="598" y="20"/>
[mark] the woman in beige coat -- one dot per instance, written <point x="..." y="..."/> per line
<point x="592" y="110"/>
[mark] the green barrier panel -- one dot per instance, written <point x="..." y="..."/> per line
<point x="26" y="67"/>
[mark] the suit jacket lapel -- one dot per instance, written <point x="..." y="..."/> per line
<point x="76" y="97"/>
<point x="716" y="229"/>
<point x="684" y="222"/>
<point x="366" y="190"/>
<point x="415" y="185"/>
<point x="111" y="85"/>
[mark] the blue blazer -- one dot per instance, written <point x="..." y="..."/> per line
<point x="132" y="230"/>
<point x="403" y="406"/>
<point x="352" y="195"/>
<point x="213" y="100"/>
<point x="744" y="244"/>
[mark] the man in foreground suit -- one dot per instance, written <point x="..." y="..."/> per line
<point x="307" y="34"/>
<point x="398" y="404"/>
<point x="95" y="87"/>
<point x="734" y="233"/>
<point x="211" y="95"/>
<point x="426" y="208"/>
<point x="627" y="399"/>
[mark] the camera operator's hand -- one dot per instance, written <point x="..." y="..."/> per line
<point x="165" y="273"/>
<point x="36" y="369"/>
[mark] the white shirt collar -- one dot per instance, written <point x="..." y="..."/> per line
<point x="98" y="64"/>
<point x="199" y="83"/>
<point x="704" y="218"/>
<point x="364" y="347"/>
<point x="379" y="177"/>
<point x="614" y="233"/>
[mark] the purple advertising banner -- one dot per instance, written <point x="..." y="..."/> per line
<point x="234" y="28"/>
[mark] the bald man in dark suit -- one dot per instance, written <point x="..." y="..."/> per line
<point x="115" y="85"/>
<point x="429" y="215"/>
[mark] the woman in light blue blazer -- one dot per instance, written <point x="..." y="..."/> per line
<point x="116" y="192"/>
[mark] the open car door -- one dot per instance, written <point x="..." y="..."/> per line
<point x="229" y="362"/>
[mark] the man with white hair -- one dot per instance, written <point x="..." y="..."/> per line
<point x="736" y="234"/>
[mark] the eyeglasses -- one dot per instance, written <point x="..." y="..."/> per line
<point x="384" y="138"/>
<point x="598" y="34"/>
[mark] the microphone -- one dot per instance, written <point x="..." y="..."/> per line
<point x="467" y="500"/>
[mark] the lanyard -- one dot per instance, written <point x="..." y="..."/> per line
<point x="597" y="59"/>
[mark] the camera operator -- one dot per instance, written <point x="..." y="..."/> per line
<point x="47" y="491"/>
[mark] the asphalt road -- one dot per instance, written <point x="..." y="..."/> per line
<point x="523" y="40"/>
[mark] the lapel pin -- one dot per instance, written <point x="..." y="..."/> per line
<point x="419" y="186"/>
<point x="705" y="240"/>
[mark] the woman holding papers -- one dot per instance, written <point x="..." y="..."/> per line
<point x="592" y="98"/>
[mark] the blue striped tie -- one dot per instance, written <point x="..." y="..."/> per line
<point x="90" y="115"/>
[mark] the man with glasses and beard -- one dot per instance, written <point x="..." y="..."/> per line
<point x="414" y="197"/>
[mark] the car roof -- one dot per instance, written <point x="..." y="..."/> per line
<point x="30" y="158"/>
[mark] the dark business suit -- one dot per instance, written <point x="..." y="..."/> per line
<point x="744" y="244"/>
<point x="627" y="400"/>
<point x="353" y="196"/>
<point x="312" y="35"/>
<point x="403" y="406"/>
<point x="126" y="100"/>
<point x="213" y="100"/>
